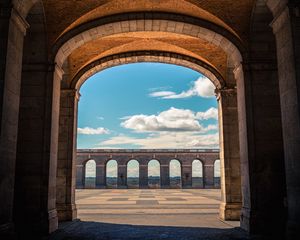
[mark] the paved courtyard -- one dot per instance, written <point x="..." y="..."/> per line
<point x="148" y="214"/>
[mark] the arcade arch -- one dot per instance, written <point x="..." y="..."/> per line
<point x="175" y="174"/>
<point x="90" y="174"/>
<point x="111" y="174"/>
<point x="153" y="174"/>
<point x="217" y="174"/>
<point x="197" y="174"/>
<point x="133" y="174"/>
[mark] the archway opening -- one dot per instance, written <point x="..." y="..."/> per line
<point x="175" y="174"/>
<point x="112" y="174"/>
<point x="90" y="174"/>
<point x="197" y="174"/>
<point x="153" y="174"/>
<point x="153" y="120"/>
<point x="133" y="174"/>
<point x="217" y="174"/>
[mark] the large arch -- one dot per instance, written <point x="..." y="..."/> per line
<point x="181" y="29"/>
<point x="148" y="56"/>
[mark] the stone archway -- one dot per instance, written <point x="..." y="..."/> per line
<point x="252" y="76"/>
<point x="70" y="88"/>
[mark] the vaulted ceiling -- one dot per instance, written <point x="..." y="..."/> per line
<point x="66" y="15"/>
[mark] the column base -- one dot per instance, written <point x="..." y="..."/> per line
<point x="53" y="220"/>
<point x="66" y="212"/>
<point x="230" y="211"/>
<point x="245" y="219"/>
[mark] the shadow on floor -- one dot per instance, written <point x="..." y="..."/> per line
<point x="78" y="230"/>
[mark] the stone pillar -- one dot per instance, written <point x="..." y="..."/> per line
<point x="65" y="185"/>
<point x="230" y="207"/>
<point x="100" y="176"/>
<point x="143" y="176"/>
<point x="122" y="176"/>
<point x="13" y="28"/>
<point x="35" y="212"/>
<point x="286" y="27"/>
<point x="261" y="149"/>
<point x="208" y="175"/>
<point x="79" y="176"/>
<point x="186" y="176"/>
<point x="165" y="175"/>
<point x="36" y="166"/>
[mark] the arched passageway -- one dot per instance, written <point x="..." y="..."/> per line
<point x="175" y="174"/>
<point x="112" y="174"/>
<point x="217" y="174"/>
<point x="133" y="174"/>
<point x="90" y="174"/>
<point x="153" y="174"/>
<point x="197" y="174"/>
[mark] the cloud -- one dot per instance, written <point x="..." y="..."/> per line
<point x="202" y="87"/>
<point x="92" y="131"/>
<point x="174" y="119"/>
<point x="163" y="140"/>
<point x="100" y="118"/>
<point x="162" y="94"/>
<point x="210" y="113"/>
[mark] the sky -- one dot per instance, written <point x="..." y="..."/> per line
<point x="147" y="106"/>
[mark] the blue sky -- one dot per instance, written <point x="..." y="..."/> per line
<point x="147" y="105"/>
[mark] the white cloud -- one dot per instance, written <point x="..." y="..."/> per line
<point x="92" y="131"/>
<point x="170" y="120"/>
<point x="162" y="94"/>
<point x="162" y="140"/>
<point x="202" y="87"/>
<point x="210" y="113"/>
<point x="100" y="118"/>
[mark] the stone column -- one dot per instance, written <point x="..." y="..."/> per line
<point x="100" y="176"/>
<point x="79" y="176"/>
<point x="208" y="175"/>
<point x="231" y="195"/>
<point x="186" y="176"/>
<point x="143" y="176"/>
<point x="65" y="196"/>
<point x="36" y="160"/>
<point x="286" y="27"/>
<point x="261" y="149"/>
<point x="165" y="175"/>
<point x="122" y="176"/>
<point x="13" y="28"/>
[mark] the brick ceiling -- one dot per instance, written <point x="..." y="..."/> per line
<point x="64" y="15"/>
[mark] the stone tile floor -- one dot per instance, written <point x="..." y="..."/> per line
<point x="149" y="215"/>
